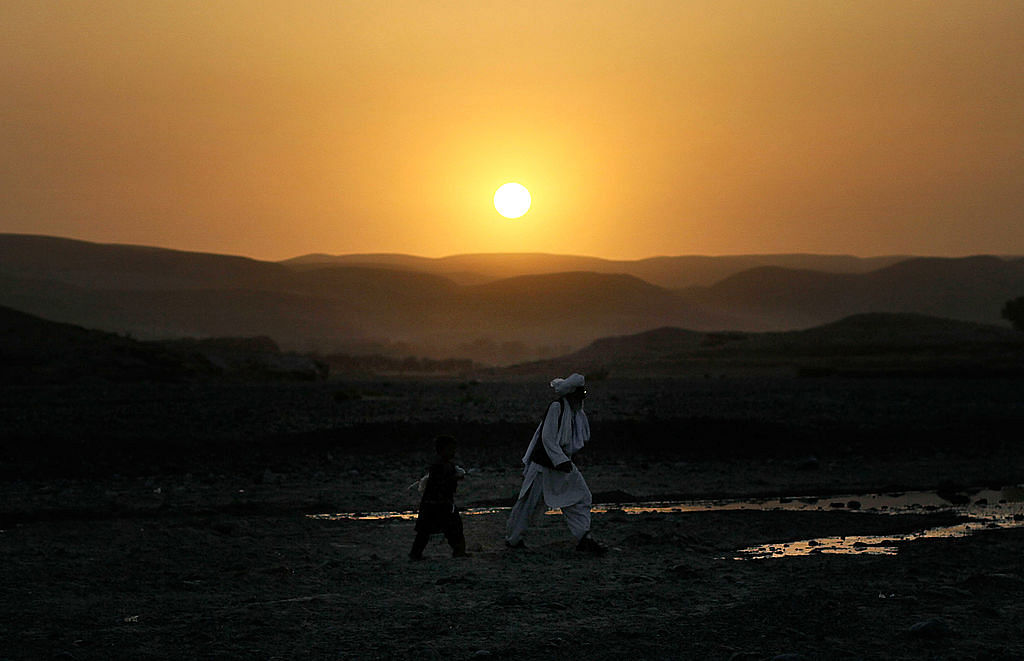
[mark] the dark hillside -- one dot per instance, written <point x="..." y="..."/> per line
<point x="642" y="347"/>
<point x="34" y="350"/>
<point x="37" y="351"/>
<point x="114" y="266"/>
<point x="889" y="344"/>
<point x="905" y="331"/>
<point x="971" y="289"/>
<point x="778" y="298"/>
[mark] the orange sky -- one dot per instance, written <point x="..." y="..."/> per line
<point x="273" y="129"/>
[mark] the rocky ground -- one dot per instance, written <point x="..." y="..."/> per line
<point x="182" y="531"/>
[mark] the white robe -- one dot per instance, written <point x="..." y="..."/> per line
<point x="561" y="442"/>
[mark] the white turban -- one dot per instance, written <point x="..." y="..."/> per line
<point x="568" y="384"/>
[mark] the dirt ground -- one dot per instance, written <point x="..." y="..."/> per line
<point x="219" y="560"/>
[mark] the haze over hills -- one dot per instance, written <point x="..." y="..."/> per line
<point x="38" y="351"/>
<point x="408" y="308"/>
<point x="669" y="272"/>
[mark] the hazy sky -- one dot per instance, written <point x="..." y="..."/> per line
<point x="641" y="128"/>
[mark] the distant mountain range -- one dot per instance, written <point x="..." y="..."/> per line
<point x="668" y="272"/>
<point x="498" y="308"/>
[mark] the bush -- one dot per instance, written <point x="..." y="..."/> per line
<point x="1013" y="311"/>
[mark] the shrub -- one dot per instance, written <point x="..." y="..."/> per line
<point x="1013" y="311"/>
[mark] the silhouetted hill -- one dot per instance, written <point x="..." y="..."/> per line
<point x="899" y="331"/>
<point x="778" y="298"/>
<point x="669" y="272"/>
<point x="412" y="308"/>
<point x="650" y="344"/>
<point x="34" y="350"/>
<point x="154" y="294"/>
<point x="695" y="270"/>
<point x="296" y="321"/>
<point x="970" y="288"/>
<point x="867" y="344"/>
<point x="115" y="266"/>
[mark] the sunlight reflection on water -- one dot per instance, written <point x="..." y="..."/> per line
<point x="983" y="508"/>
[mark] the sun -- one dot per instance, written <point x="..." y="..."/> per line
<point x="512" y="200"/>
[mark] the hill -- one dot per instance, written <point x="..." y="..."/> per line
<point x="861" y="345"/>
<point x="159" y="294"/>
<point x="969" y="288"/>
<point x="35" y="351"/>
<point x="669" y="272"/>
<point x="121" y="267"/>
<point x="489" y="310"/>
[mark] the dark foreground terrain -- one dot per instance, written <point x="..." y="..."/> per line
<point x="169" y="521"/>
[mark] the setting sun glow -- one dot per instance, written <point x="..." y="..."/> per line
<point x="512" y="200"/>
<point x="641" y="128"/>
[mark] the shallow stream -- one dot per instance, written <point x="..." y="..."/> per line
<point x="982" y="509"/>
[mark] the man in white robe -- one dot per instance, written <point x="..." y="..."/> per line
<point x="550" y="474"/>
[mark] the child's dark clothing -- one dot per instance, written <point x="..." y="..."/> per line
<point x="438" y="512"/>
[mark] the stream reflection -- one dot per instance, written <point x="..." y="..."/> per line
<point x="982" y="508"/>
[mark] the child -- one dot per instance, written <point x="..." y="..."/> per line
<point x="437" y="508"/>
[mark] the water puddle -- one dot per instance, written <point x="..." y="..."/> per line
<point x="982" y="508"/>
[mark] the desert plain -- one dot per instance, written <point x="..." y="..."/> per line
<point x="178" y="521"/>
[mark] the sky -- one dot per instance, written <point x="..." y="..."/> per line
<point x="640" y="127"/>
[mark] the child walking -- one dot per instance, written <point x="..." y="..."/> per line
<point x="438" y="513"/>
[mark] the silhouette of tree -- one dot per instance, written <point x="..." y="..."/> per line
<point x="1013" y="311"/>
